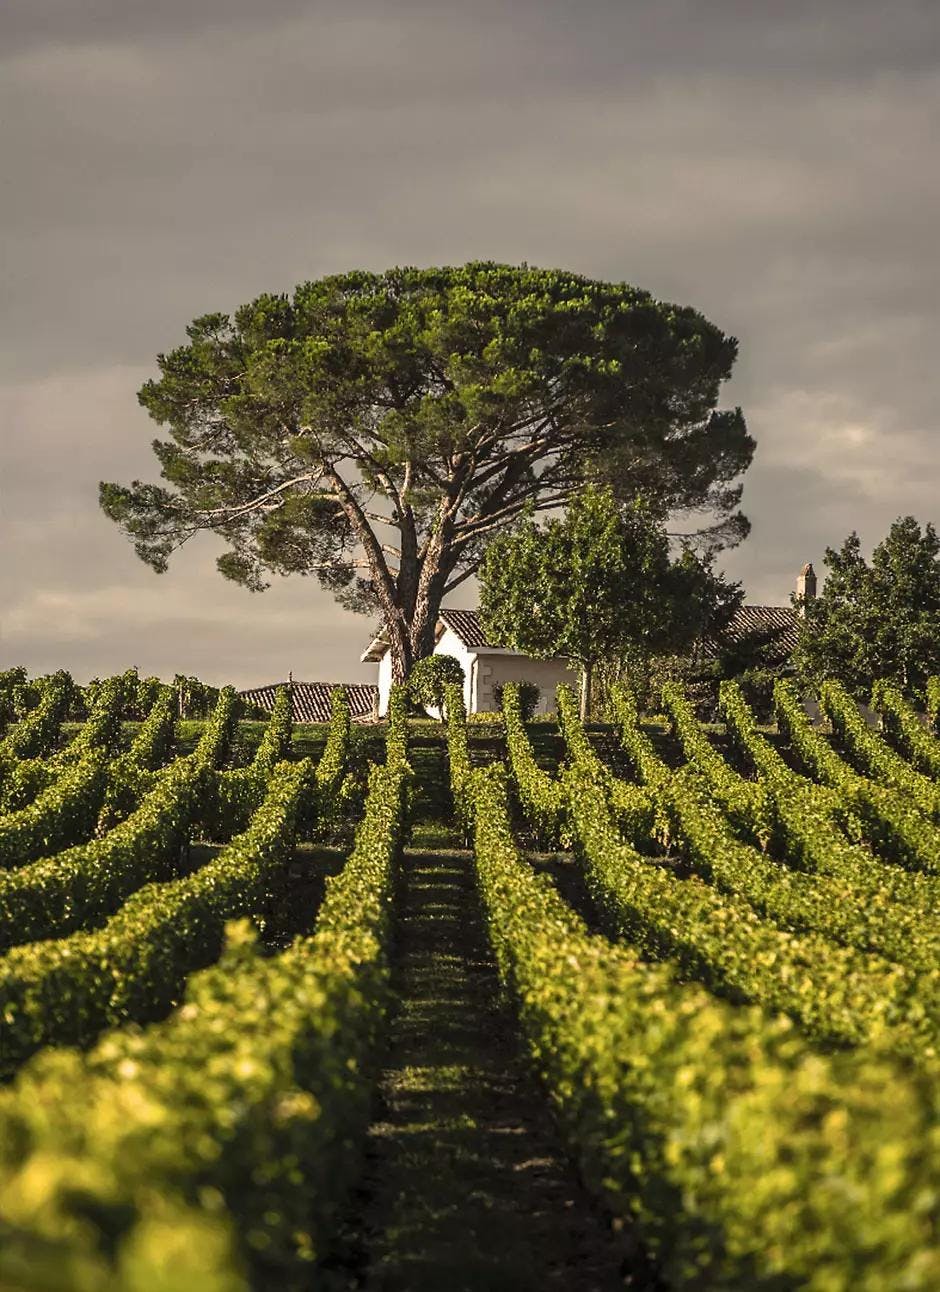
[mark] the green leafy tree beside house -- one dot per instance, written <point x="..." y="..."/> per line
<point x="597" y="583"/>
<point x="876" y="619"/>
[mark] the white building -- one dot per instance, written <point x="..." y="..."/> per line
<point x="485" y="665"/>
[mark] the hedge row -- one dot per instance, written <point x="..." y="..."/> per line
<point x="101" y="729"/>
<point x="860" y="908"/>
<point x="216" y="739"/>
<point x="154" y="739"/>
<point x="214" y="1149"/>
<point x="14" y="695"/>
<point x="54" y="803"/>
<point x="805" y="820"/>
<point x="634" y="807"/>
<point x="458" y="752"/>
<point x="338" y="791"/>
<point x="65" y="991"/>
<point x="743" y="1158"/>
<point x="933" y="700"/>
<point x="746" y="803"/>
<point x="134" y="774"/>
<point x="862" y="912"/>
<point x="647" y="763"/>
<point x="24" y="780"/>
<point x="334" y="760"/>
<point x="236" y="795"/>
<point x="539" y="793"/>
<point x="247" y="1168"/>
<point x="36" y="733"/>
<point x="63" y="892"/>
<point x="63" y="815"/>
<point x="897" y="831"/>
<point x="877" y="759"/>
<point x="27" y="778"/>
<point x="130" y="781"/>
<point x="836" y="994"/>
<point x="906" y="728"/>
<point x="52" y="897"/>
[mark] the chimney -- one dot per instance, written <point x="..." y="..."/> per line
<point x="806" y="585"/>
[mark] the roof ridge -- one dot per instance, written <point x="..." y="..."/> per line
<point x="267" y="686"/>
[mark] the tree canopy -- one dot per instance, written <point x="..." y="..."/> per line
<point x="877" y="619"/>
<point x="375" y="430"/>
<point x="598" y="582"/>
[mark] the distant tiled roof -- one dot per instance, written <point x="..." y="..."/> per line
<point x="465" y="623"/>
<point x="777" y="623"/>
<point x="469" y="628"/>
<point x="313" y="700"/>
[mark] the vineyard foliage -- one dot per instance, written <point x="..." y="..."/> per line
<point x="731" y="1004"/>
<point x="908" y="730"/>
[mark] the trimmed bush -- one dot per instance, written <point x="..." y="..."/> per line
<point x="541" y="796"/>
<point x="428" y="679"/>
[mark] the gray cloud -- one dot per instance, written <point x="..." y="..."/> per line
<point x="772" y="165"/>
<point x="600" y="37"/>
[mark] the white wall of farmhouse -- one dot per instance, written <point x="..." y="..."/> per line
<point x="484" y="669"/>
<point x="450" y="644"/>
<point x="385" y="682"/>
<point x="494" y="668"/>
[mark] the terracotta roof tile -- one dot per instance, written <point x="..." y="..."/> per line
<point x="778" y="622"/>
<point x="465" y="623"/>
<point x="313" y="700"/>
<point x="469" y="628"/>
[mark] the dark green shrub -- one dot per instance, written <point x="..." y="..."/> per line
<point x="428" y="679"/>
<point x="529" y="695"/>
<point x="757" y="686"/>
<point x="15" y="695"/>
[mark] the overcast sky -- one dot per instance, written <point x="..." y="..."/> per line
<point x="773" y="164"/>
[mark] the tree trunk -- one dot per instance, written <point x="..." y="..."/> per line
<point x="436" y="568"/>
<point x="399" y="645"/>
<point x="587" y="671"/>
<point x="411" y="629"/>
<point x="411" y="608"/>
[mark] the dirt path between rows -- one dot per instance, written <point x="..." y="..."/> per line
<point x="466" y="1188"/>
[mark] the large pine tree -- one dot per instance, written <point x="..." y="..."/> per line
<point x="376" y="430"/>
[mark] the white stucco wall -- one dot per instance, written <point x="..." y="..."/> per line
<point x="484" y="670"/>
<point x="385" y="682"/>
<point x="450" y="644"/>
<point x="494" y="668"/>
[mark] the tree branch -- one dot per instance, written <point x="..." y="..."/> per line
<point x="230" y="514"/>
<point x="373" y="549"/>
<point x="465" y="574"/>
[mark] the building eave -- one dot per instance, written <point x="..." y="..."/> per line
<point x="376" y="649"/>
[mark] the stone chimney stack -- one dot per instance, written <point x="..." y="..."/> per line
<point x="806" y="584"/>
